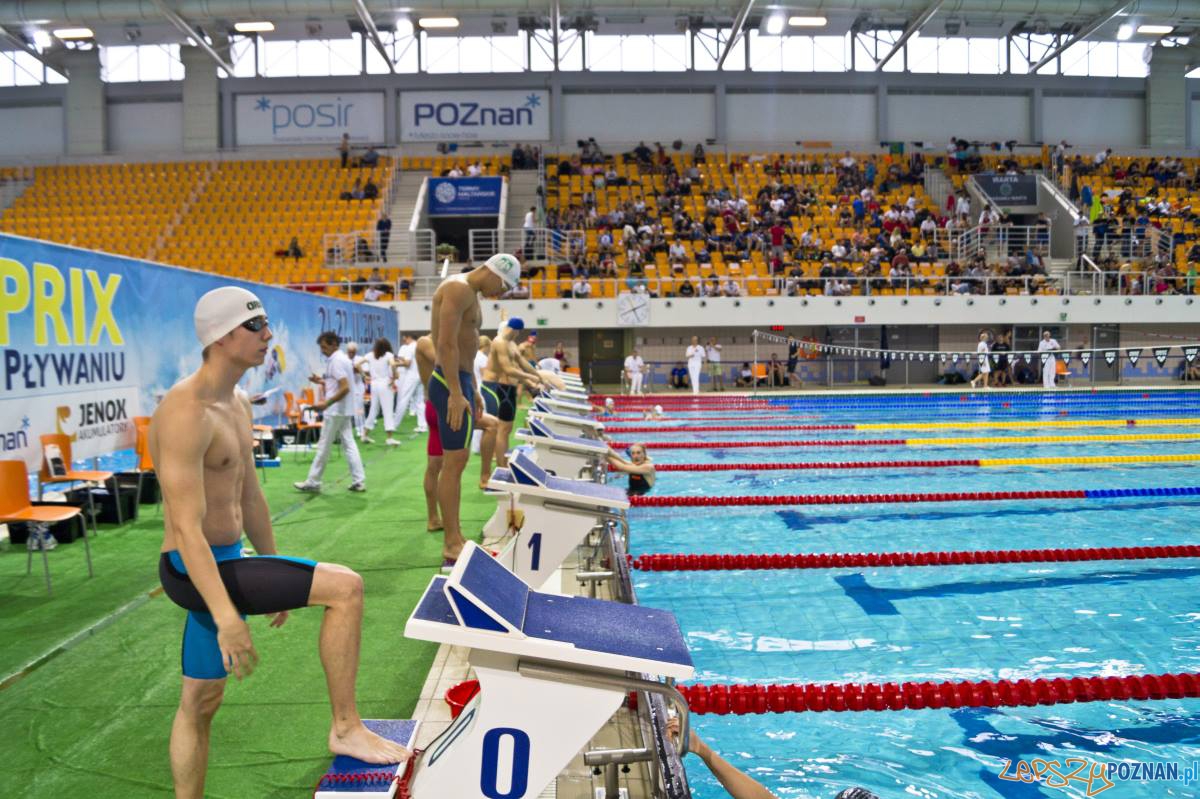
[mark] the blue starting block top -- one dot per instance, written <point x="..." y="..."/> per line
<point x="523" y="473"/>
<point x="349" y="776"/>
<point x="538" y="428"/>
<point x="564" y="409"/>
<point x="484" y="606"/>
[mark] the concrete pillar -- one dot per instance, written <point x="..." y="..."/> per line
<point x="201" y="101"/>
<point x="84" y="107"/>
<point x="881" y="112"/>
<point x="720" y="114"/>
<point x="1167" y="98"/>
<point x="1035" y="116"/>
<point x="558" y="119"/>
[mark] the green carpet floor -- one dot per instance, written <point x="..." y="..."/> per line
<point x="94" y="717"/>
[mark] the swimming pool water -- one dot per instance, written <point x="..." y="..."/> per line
<point x="937" y="623"/>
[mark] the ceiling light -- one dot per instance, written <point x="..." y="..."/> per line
<point x="74" y="33"/>
<point x="807" y="22"/>
<point x="1155" y="30"/>
<point x="438" y="22"/>
<point x="254" y="27"/>
<point x="775" y="25"/>
<point x="1124" y="32"/>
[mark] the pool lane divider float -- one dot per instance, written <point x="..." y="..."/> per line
<point x="723" y="699"/>
<point x="667" y="562"/>
<point x="1091" y="460"/>
<point x="1003" y="425"/>
<point x="955" y="441"/>
<point x="940" y="496"/>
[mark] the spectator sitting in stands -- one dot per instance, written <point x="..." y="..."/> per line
<point x="455" y="172"/>
<point x="519" y="292"/>
<point x="745" y="376"/>
<point x="732" y="289"/>
<point x="293" y="249"/>
<point x="369" y="191"/>
<point x="710" y="287"/>
<point x="372" y="294"/>
<point x="362" y="251"/>
<point x="370" y="157"/>
<point x="355" y="193"/>
<point x="686" y="289"/>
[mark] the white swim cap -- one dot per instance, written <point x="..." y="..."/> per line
<point x="608" y="401"/>
<point x="221" y="310"/>
<point x="658" y="409"/>
<point x="507" y="267"/>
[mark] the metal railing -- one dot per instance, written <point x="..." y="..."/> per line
<point x="999" y="241"/>
<point x="367" y="248"/>
<point x="1147" y="244"/>
<point x="1128" y="282"/>
<point x="534" y="245"/>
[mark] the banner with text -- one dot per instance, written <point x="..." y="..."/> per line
<point x="90" y="340"/>
<point x="465" y="196"/>
<point x="486" y="115"/>
<point x="304" y="118"/>
<point x="1009" y="190"/>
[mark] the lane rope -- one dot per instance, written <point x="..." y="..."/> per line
<point x="868" y="426"/>
<point x="668" y="562"/>
<point x="722" y="699"/>
<point x="1091" y="460"/>
<point x="940" y="496"/>
<point x="1121" y="438"/>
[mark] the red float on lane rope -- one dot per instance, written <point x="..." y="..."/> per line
<point x="818" y="697"/>
<point x="832" y="442"/>
<point x="730" y="428"/>
<point x="661" y="562"/>
<point x="764" y="467"/>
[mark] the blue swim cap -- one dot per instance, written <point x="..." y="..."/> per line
<point x="516" y="323"/>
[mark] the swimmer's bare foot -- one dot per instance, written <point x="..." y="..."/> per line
<point x="483" y="483"/>
<point x="434" y="526"/>
<point x="451" y="553"/>
<point x="361" y="743"/>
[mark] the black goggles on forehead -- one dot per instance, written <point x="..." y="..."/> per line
<point x="255" y="324"/>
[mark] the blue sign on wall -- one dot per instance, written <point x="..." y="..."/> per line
<point x="465" y="196"/>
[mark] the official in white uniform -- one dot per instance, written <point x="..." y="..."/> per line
<point x="381" y="371"/>
<point x="695" y="362"/>
<point x="634" y="372"/>
<point x="983" y="356"/>
<point x="337" y="424"/>
<point x="359" y="385"/>
<point x="1050" y="368"/>
<point x="410" y="396"/>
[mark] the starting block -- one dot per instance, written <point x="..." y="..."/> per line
<point x="566" y="424"/>
<point x="555" y="515"/>
<point x="555" y="405"/>
<point x="552" y="670"/>
<point x="568" y="456"/>
<point x="569" y="395"/>
<point x="349" y="776"/>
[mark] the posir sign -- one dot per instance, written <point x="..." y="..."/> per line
<point x="308" y="118"/>
<point x="475" y="115"/>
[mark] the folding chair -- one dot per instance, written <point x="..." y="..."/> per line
<point x="15" y="507"/>
<point x="45" y="477"/>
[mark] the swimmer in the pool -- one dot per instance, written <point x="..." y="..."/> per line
<point x="200" y="439"/>
<point x="638" y="466"/>
<point x="737" y="783"/>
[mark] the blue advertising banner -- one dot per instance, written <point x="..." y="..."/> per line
<point x="465" y="196"/>
<point x="90" y="340"/>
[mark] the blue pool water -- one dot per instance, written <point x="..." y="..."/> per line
<point x="939" y="623"/>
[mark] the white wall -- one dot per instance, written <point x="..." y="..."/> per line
<point x="36" y="130"/>
<point x="1110" y="121"/>
<point x="1194" y="110"/>
<point x="798" y="117"/>
<point x="630" y="117"/>
<point x="937" y="117"/>
<point x="145" y="127"/>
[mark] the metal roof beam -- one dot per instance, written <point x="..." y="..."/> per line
<point x="1087" y="30"/>
<point x="913" y="28"/>
<point x="368" y="22"/>
<point x="735" y="32"/>
<point x="187" y="30"/>
<point x="18" y="42"/>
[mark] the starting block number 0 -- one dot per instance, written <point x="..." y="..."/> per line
<point x="489" y="768"/>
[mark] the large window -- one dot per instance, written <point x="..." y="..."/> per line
<point x="140" y="63"/>
<point x="468" y="54"/>
<point x="22" y="69"/>
<point x="660" y="53"/>
<point x="310" y="58"/>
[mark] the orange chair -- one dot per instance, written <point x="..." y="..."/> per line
<point x="45" y="478"/>
<point x="296" y="418"/>
<point x="15" y="507"/>
<point x="145" y="463"/>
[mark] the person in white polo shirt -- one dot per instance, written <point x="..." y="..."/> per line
<point x="338" y="421"/>
<point x="635" y="369"/>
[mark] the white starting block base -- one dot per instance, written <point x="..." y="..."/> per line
<point x="350" y="777"/>
<point x="567" y="424"/>
<point x="524" y="727"/>
<point x="558" y="515"/>
<point x="561" y="455"/>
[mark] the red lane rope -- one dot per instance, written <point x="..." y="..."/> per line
<point x="818" y="697"/>
<point x="852" y="499"/>
<point x="767" y="467"/>
<point x="831" y="442"/>
<point x="662" y="562"/>
<point x="730" y="428"/>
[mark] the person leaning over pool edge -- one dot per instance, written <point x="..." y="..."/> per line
<point x="638" y="466"/>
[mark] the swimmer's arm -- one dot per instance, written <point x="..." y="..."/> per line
<point x="180" y="470"/>
<point x="737" y="784"/>
<point x="454" y="305"/>
<point x="256" y="516"/>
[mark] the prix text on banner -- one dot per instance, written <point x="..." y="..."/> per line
<point x="90" y="340"/>
<point x="486" y="115"/>
<point x="303" y="118"/>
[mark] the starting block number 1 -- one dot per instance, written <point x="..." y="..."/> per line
<point x="535" y="543"/>
<point x="518" y="782"/>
